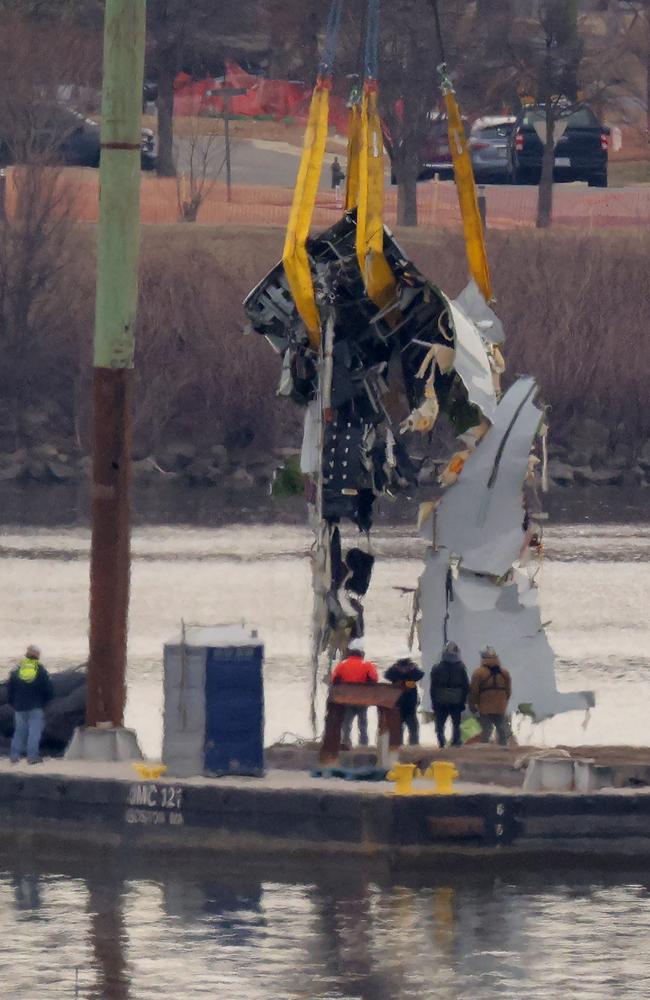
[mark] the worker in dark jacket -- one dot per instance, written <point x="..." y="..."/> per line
<point x="29" y="691"/>
<point x="489" y="696"/>
<point x="449" y="690"/>
<point x="405" y="674"/>
<point x="337" y="174"/>
<point x="355" y="669"/>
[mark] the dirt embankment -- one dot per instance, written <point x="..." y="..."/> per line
<point x="574" y="305"/>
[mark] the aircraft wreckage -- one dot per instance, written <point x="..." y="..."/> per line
<point x="356" y="324"/>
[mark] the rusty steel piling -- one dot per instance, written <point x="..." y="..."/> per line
<point x="115" y="315"/>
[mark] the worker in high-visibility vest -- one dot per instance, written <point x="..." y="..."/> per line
<point x="29" y="691"/>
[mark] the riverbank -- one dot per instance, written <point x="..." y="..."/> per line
<point x="170" y="501"/>
<point x="205" y="403"/>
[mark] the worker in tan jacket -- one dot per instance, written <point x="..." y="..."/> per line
<point x="489" y="694"/>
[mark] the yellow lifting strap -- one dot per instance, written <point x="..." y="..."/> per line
<point x="466" y="187"/>
<point x="377" y="275"/>
<point x="354" y="142"/>
<point x="294" y="256"/>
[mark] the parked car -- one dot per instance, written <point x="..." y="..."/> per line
<point x="434" y="151"/>
<point x="435" y="154"/>
<point x="580" y="152"/>
<point x="66" y="136"/>
<point x="488" y="146"/>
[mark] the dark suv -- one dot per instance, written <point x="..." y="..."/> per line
<point x="63" y="135"/>
<point x="580" y="152"/>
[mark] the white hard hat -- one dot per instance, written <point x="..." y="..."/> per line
<point x="356" y="646"/>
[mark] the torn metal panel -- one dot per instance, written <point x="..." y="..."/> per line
<point x="471" y="302"/>
<point x="472" y="362"/>
<point x="480" y="518"/>
<point x="508" y="619"/>
<point x="432" y="602"/>
<point x="481" y="612"/>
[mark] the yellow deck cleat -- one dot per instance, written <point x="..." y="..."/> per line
<point x="150" y="772"/>
<point x="403" y="775"/>
<point x="444" y="774"/>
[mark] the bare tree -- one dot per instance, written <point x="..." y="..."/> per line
<point x="633" y="18"/>
<point x="410" y="89"/>
<point x="199" y="160"/>
<point x="407" y="92"/>
<point x="36" y="245"/>
<point x="188" y="35"/>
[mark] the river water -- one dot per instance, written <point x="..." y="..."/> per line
<point x="118" y="929"/>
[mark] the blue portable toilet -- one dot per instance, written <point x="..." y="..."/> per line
<point x="214" y="702"/>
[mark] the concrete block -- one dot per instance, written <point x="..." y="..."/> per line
<point x="549" y="774"/>
<point x="104" y="744"/>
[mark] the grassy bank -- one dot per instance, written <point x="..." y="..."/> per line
<point x="575" y="308"/>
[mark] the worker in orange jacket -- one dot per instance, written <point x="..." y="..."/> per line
<point x="355" y="669"/>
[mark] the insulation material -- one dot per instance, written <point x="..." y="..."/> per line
<point x="480" y="519"/>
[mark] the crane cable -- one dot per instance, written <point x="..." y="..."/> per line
<point x="294" y="256"/>
<point x="354" y="126"/>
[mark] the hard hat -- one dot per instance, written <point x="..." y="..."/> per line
<point x="32" y="652"/>
<point x="356" y="646"/>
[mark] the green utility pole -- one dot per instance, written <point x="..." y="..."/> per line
<point x="117" y="292"/>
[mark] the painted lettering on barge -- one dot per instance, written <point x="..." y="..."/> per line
<point x="154" y="805"/>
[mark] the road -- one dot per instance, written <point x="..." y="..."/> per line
<point x="261" y="162"/>
<point x="254" y="161"/>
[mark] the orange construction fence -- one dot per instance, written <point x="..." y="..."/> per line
<point x="507" y="207"/>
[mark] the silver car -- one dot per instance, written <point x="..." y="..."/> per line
<point x="488" y="145"/>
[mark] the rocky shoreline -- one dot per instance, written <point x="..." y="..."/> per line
<point x="584" y="454"/>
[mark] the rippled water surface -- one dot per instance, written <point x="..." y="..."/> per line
<point x="595" y="585"/>
<point x="252" y="933"/>
<point x="99" y="928"/>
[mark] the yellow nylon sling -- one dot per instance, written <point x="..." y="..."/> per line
<point x="294" y="256"/>
<point x="377" y="275"/>
<point x="354" y="142"/>
<point x="466" y="187"/>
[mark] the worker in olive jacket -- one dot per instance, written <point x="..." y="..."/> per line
<point x="489" y="694"/>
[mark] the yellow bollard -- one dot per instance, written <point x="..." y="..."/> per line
<point x="150" y="772"/>
<point x="444" y="774"/>
<point x="402" y="775"/>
